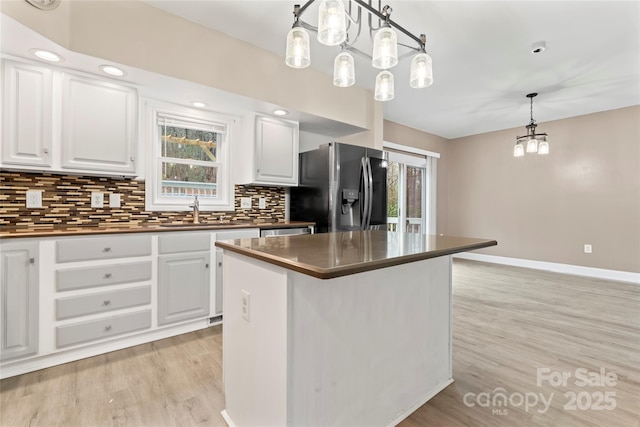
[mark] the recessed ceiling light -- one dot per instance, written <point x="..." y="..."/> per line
<point x="280" y="112"/>
<point x="112" y="70"/>
<point x="198" y="104"/>
<point x="46" y="55"/>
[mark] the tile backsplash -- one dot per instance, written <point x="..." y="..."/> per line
<point x="66" y="200"/>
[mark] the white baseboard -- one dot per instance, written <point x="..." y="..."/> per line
<point x="578" y="270"/>
<point x="227" y="418"/>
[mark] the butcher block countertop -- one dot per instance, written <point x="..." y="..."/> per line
<point x="329" y="255"/>
<point x="106" y="228"/>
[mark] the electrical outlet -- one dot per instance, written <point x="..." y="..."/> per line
<point x="34" y="199"/>
<point x="245" y="202"/>
<point x="114" y="200"/>
<point x="262" y="203"/>
<point x="97" y="200"/>
<point x="588" y="249"/>
<point x="246" y="306"/>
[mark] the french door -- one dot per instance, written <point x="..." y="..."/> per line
<point x="408" y="195"/>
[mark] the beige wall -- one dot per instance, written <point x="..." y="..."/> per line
<point x="586" y="191"/>
<point x="133" y="33"/>
<point x="399" y="134"/>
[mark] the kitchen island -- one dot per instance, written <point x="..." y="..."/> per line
<point x="350" y="328"/>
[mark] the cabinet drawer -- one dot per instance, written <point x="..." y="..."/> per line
<point x="171" y="243"/>
<point x="103" y="328"/>
<point x="102" y="301"/>
<point x="89" y="277"/>
<point x="93" y="248"/>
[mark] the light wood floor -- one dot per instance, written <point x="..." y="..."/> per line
<point x="508" y="322"/>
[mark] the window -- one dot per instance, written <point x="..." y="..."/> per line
<point x="190" y="158"/>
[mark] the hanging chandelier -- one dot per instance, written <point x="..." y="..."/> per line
<point x="535" y="142"/>
<point x="336" y="22"/>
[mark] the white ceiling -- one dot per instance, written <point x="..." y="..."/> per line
<point x="483" y="67"/>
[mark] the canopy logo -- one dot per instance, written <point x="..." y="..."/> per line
<point x="590" y="395"/>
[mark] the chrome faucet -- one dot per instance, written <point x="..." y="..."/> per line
<point x="196" y="210"/>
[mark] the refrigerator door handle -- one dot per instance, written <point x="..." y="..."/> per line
<point x="364" y="205"/>
<point x="370" y="186"/>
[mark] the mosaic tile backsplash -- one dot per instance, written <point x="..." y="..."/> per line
<point x="66" y="200"/>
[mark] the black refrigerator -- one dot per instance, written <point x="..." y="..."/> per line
<point x="341" y="187"/>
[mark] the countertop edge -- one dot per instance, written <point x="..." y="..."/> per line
<point x="331" y="273"/>
<point x="148" y="228"/>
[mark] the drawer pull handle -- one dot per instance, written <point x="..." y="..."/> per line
<point x="32" y="260"/>
<point x="106" y="302"/>
<point x="107" y="275"/>
<point x="206" y="265"/>
<point x="107" y="249"/>
<point x="107" y="328"/>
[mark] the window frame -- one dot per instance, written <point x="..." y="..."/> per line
<point x="427" y="161"/>
<point x="154" y="201"/>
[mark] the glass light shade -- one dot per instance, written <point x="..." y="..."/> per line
<point x="384" y="86"/>
<point x="344" y="74"/>
<point x="332" y="22"/>
<point x="421" y="71"/>
<point x="532" y="145"/>
<point x="385" y="48"/>
<point x="543" y="147"/>
<point x="298" y="55"/>
<point x="518" y="150"/>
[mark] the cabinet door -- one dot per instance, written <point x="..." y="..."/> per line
<point x="27" y="102"/>
<point x="276" y="151"/>
<point x="18" y="300"/>
<point x="183" y="287"/>
<point x="98" y="125"/>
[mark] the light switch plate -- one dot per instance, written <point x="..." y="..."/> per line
<point x="34" y="199"/>
<point x="262" y="203"/>
<point x="245" y="202"/>
<point x="97" y="200"/>
<point x="114" y="200"/>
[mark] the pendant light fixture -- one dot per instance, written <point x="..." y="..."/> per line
<point x="535" y="142"/>
<point x="344" y="73"/>
<point x="332" y="22"/>
<point x="340" y="19"/>
<point x="421" y="69"/>
<point x="297" y="55"/>
<point x="385" y="48"/>
<point x="384" y="90"/>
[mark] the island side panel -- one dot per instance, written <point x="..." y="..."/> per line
<point x="254" y="357"/>
<point x="369" y="348"/>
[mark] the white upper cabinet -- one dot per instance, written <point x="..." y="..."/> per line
<point x="56" y="121"/>
<point x="98" y="125"/>
<point x="27" y="110"/>
<point x="268" y="154"/>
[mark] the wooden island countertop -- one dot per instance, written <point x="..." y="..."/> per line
<point x="330" y="255"/>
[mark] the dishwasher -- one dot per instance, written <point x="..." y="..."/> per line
<point x="285" y="231"/>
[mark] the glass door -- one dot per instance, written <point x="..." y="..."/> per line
<point x="406" y="189"/>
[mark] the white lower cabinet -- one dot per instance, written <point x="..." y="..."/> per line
<point x="184" y="276"/>
<point x="18" y="300"/>
<point x="67" y="298"/>
<point x="183" y="287"/>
